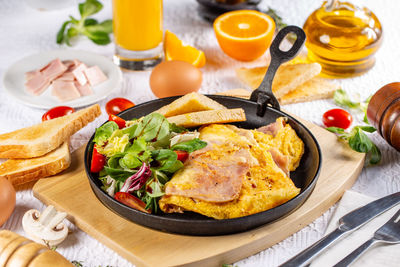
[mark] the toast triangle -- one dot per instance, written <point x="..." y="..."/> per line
<point x="39" y="139"/>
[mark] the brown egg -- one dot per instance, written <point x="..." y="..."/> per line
<point x="172" y="78"/>
<point x="7" y="200"/>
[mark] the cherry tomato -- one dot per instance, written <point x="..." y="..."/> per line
<point x="337" y="118"/>
<point x="57" y="112"/>
<point x="98" y="161"/>
<point x="117" y="105"/>
<point x="182" y="155"/>
<point x="121" y="122"/>
<point x="131" y="201"/>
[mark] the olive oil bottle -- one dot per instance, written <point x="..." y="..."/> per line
<point x="343" y="38"/>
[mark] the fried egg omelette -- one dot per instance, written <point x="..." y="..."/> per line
<point x="239" y="173"/>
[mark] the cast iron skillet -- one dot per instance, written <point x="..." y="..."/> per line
<point x="263" y="108"/>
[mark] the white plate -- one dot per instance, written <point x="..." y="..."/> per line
<point x="14" y="78"/>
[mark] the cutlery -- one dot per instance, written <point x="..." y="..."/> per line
<point x="348" y="223"/>
<point x="389" y="233"/>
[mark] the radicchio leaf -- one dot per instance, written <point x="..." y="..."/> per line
<point x="136" y="181"/>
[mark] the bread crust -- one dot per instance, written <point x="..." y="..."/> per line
<point x="44" y="137"/>
<point x="20" y="171"/>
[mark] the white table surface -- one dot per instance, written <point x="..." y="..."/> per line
<point x="24" y="31"/>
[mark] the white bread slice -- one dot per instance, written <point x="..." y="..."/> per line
<point x="20" y="171"/>
<point x="314" y="89"/>
<point x="195" y="119"/>
<point x="44" y="137"/>
<point x="191" y="102"/>
<point x="287" y="78"/>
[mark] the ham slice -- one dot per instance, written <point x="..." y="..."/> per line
<point x="37" y="84"/>
<point x="78" y="72"/>
<point x="272" y="128"/>
<point x="84" y="89"/>
<point x="282" y="161"/>
<point x="54" y="69"/>
<point x="30" y="74"/>
<point x="65" y="90"/>
<point x="66" y="76"/>
<point x="94" y="75"/>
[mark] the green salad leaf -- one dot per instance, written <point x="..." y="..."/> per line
<point x="342" y="99"/>
<point x="98" y="32"/>
<point x="167" y="160"/>
<point x="190" y="146"/>
<point x="119" y="174"/>
<point x="104" y="132"/>
<point x="153" y="127"/>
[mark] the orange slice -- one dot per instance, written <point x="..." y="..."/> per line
<point x="175" y="50"/>
<point x="244" y="34"/>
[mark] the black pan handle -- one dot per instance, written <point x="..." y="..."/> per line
<point x="263" y="94"/>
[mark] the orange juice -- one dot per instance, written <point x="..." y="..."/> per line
<point x="137" y="24"/>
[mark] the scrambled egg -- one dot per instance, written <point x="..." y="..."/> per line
<point x="264" y="185"/>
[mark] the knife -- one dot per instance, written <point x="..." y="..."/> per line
<point x="347" y="224"/>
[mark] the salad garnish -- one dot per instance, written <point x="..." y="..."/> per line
<point x="138" y="157"/>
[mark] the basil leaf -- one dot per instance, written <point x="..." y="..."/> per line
<point x="336" y="130"/>
<point x="90" y="21"/>
<point x="342" y="99"/>
<point x="359" y="141"/>
<point x="104" y="27"/>
<point x="119" y="174"/>
<point x="89" y="7"/>
<point x="190" y="146"/>
<point x="60" y="34"/>
<point x="375" y="155"/>
<point x="104" y="132"/>
<point x="369" y="129"/>
<point x="72" y="32"/>
<point x="166" y="159"/>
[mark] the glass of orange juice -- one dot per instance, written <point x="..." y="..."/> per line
<point x="138" y="33"/>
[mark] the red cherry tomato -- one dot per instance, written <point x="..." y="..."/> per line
<point x="337" y="118"/>
<point x="117" y="105"/>
<point x="57" y="112"/>
<point x="98" y="161"/>
<point x="131" y="201"/>
<point x="182" y="155"/>
<point x="121" y="122"/>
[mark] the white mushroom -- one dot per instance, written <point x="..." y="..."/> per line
<point x="46" y="228"/>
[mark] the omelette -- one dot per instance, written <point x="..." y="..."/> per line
<point x="240" y="172"/>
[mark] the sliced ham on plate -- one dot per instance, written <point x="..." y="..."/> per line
<point x="78" y="72"/>
<point x="37" y="84"/>
<point x="94" y="75"/>
<point x="84" y="89"/>
<point x="66" y="76"/>
<point x="65" y="90"/>
<point x="30" y="74"/>
<point x="54" y="69"/>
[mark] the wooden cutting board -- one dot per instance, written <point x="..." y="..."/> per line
<point x="70" y="192"/>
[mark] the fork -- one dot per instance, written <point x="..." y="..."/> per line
<point x="389" y="233"/>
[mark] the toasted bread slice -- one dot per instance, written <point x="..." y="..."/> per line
<point x="191" y="102"/>
<point x="287" y="78"/>
<point x="44" y="137"/>
<point x="20" y="171"/>
<point x="239" y="92"/>
<point x="195" y="119"/>
<point x="314" y="89"/>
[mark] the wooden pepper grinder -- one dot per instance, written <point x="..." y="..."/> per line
<point x="384" y="113"/>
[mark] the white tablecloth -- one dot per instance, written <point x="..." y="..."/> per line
<point x="24" y="31"/>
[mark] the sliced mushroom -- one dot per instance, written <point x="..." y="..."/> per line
<point x="46" y="228"/>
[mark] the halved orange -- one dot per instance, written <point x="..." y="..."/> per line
<point x="175" y="50"/>
<point x="244" y="34"/>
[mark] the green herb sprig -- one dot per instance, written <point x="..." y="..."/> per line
<point x="359" y="141"/>
<point x="342" y="99"/>
<point x="96" y="31"/>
